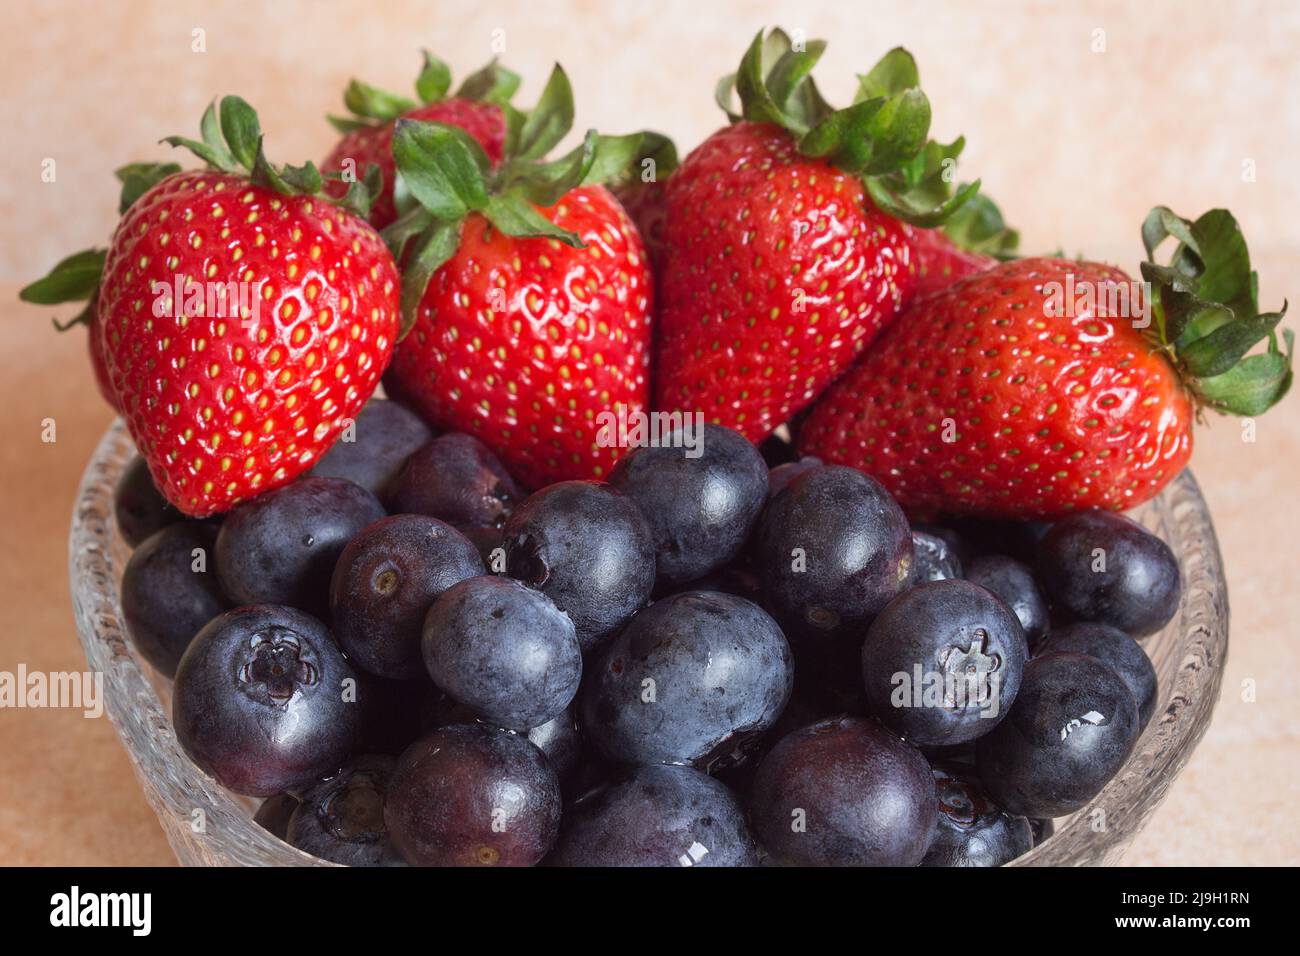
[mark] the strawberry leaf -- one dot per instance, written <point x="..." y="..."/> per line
<point x="492" y="84"/>
<point x="515" y="216"/>
<point x="1216" y="353"/>
<point x="241" y="129"/>
<point x="138" y="178"/>
<point x="74" y="279"/>
<point x="371" y="102"/>
<point x="434" y="248"/>
<point x="1254" y="385"/>
<point x="977" y="226"/>
<point x="895" y="72"/>
<point x="439" y="169"/>
<point x="549" y="121"/>
<point x="434" y="79"/>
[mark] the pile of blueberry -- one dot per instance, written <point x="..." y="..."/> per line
<point x="702" y="662"/>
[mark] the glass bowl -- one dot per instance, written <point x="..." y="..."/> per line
<point x="206" y="825"/>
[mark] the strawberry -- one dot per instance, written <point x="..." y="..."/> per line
<point x="368" y="135"/>
<point x="242" y="319"/>
<point x="1039" y="386"/>
<point x="973" y="239"/>
<point x="785" y="253"/>
<point x="526" y="291"/>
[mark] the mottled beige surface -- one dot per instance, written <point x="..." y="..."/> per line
<point x="1075" y="144"/>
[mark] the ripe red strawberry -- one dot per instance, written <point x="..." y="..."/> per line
<point x="1033" y="389"/>
<point x="229" y="397"/>
<point x="368" y="139"/>
<point x="643" y="193"/>
<point x="527" y="292"/>
<point x="972" y="240"/>
<point x="785" y="253"/>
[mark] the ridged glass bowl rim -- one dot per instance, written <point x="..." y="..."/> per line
<point x="1189" y="655"/>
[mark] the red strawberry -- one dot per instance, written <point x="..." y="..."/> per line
<point x="229" y="398"/>
<point x="780" y="270"/>
<point x="970" y="241"/>
<point x="1033" y="389"/>
<point x="475" y="108"/>
<point x="527" y="292"/>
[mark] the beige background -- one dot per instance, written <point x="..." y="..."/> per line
<point x="1075" y="143"/>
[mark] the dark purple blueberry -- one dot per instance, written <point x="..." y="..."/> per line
<point x="1107" y="568"/>
<point x="472" y="795"/>
<point x="935" y="559"/>
<point x="263" y="701"/>
<point x="1014" y="583"/>
<point x="342" y="819"/>
<point x="456" y="478"/>
<point x="843" y="792"/>
<point x="701" y="502"/>
<point x="503" y="650"/>
<point x="972" y="831"/>
<point x="585" y="546"/>
<point x="138" y="506"/>
<point x="1068" y="733"/>
<point x="942" y="663"/>
<point x="170" y="590"/>
<point x="281" y="547"/>
<point x="833" y="549"/>
<point x="955" y="542"/>
<point x="1117" y="651"/>
<point x="561" y="741"/>
<point x="693" y="679"/>
<point x="384" y="583"/>
<point x="656" y="816"/>
<point x="737" y="578"/>
<point x="274" y="814"/>
<point x="782" y="475"/>
<point x="372" y="453"/>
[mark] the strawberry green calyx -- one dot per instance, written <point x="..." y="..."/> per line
<point x="371" y="107"/>
<point x="882" y="137"/>
<point x="445" y="176"/>
<point x="977" y="226"/>
<point x="1205" y="314"/>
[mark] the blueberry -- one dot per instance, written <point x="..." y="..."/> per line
<point x="702" y="509"/>
<point x="693" y="679"/>
<point x="489" y="544"/>
<point x="656" y="816"/>
<point x="384" y="435"/>
<point x="342" y="819"/>
<point x="261" y="701"/>
<point x="1106" y="568"/>
<point x="1014" y="583"/>
<point x="138" y="506"/>
<point x="281" y="547"/>
<point x="169" y="591"/>
<point x="472" y="795"/>
<point x="1068" y="733"/>
<point x="935" y="559"/>
<point x="942" y="663"/>
<point x="1117" y="651"/>
<point x="833" y="549"/>
<point x="384" y="583"/>
<point x="504" y="650"/>
<point x="274" y="814"/>
<point x="972" y="831"/>
<point x="956" y="543"/>
<point x="561" y="741"/>
<point x="457" y="478"/>
<point x="1019" y="539"/>
<point x="782" y="475"/>
<point x="586" y="547"/>
<point x="844" y="792"/>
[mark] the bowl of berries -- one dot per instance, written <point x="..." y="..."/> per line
<point x="398" y="554"/>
